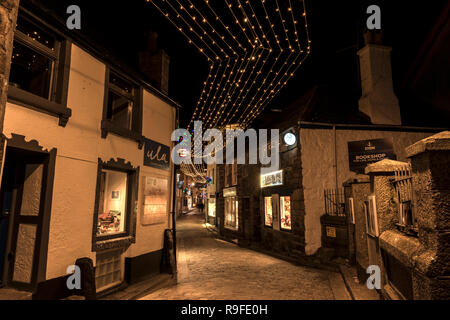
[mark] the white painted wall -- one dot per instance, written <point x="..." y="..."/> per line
<point x="317" y="155"/>
<point x="79" y="145"/>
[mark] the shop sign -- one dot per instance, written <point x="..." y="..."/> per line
<point x="156" y="155"/>
<point x="272" y="179"/>
<point x="363" y="153"/>
<point x="230" y="192"/>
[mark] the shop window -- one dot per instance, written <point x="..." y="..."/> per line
<point x="116" y="198"/>
<point x="231" y="213"/>
<point x="108" y="271"/>
<point x="122" y="114"/>
<point x="268" y="212"/>
<point x="112" y="208"/>
<point x="212" y="208"/>
<point x="285" y="214"/>
<point x="39" y="70"/>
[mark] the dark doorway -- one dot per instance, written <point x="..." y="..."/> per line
<point x="24" y="212"/>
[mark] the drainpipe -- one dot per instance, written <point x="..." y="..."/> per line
<point x="174" y="198"/>
<point x="335" y="159"/>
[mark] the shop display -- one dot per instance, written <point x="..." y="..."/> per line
<point x="285" y="207"/>
<point x="268" y="211"/>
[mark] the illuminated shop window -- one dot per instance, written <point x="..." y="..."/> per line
<point x="268" y="211"/>
<point x="212" y="208"/>
<point x="285" y="214"/>
<point x="231" y="213"/>
<point x="112" y="204"/>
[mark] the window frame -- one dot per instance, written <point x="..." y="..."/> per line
<point x="107" y="125"/>
<point x="127" y="237"/>
<point x="56" y="104"/>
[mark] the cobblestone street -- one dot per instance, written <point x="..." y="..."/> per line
<point x="212" y="269"/>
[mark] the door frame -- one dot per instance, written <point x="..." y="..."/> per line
<point x="42" y="232"/>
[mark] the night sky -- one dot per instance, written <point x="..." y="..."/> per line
<point x="335" y="30"/>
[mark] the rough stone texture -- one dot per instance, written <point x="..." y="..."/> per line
<point x="360" y="191"/>
<point x="8" y="17"/>
<point x="217" y="270"/>
<point x="440" y="141"/>
<point x="430" y="160"/>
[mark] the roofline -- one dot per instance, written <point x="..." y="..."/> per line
<point x="87" y="44"/>
<point x="369" y="127"/>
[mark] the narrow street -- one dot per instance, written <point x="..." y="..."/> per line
<point x="209" y="268"/>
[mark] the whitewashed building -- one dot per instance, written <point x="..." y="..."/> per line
<point x="87" y="170"/>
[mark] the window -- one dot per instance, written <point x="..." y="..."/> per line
<point x="285" y="214"/>
<point x="212" y="208"/>
<point x="231" y="213"/>
<point x="112" y="208"/>
<point x="268" y="212"/>
<point x="39" y="70"/>
<point x="122" y="110"/>
<point x="115" y="205"/>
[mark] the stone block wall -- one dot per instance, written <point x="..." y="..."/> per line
<point x="8" y="17"/>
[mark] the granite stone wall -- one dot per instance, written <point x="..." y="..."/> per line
<point x="8" y="17"/>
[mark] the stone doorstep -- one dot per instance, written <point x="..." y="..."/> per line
<point x="357" y="290"/>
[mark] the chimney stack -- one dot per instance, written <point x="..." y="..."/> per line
<point x="154" y="63"/>
<point x="378" y="100"/>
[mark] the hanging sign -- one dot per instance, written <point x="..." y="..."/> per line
<point x="363" y="153"/>
<point x="156" y="155"/>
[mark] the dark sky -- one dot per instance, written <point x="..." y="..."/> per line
<point x="335" y="29"/>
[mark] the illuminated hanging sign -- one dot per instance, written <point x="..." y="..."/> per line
<point x="272" y="179"/>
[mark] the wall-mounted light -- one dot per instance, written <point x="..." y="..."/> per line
<point x="289" y="139"/>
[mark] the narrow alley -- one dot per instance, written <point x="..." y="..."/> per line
<point x="212" y="269"/>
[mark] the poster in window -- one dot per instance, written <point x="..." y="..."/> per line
<point x="156" y="197"/>
<point x="268" y="211"/>
<point x="285" y="218"/>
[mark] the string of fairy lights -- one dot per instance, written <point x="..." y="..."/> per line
<point x="253" y="47"/>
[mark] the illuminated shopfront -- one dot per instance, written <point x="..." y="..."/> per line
<point x="268" y="212"/>
<point x="285" y="213"/>
<point x="231" y="209"/>
<point x="212" y="208"/>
